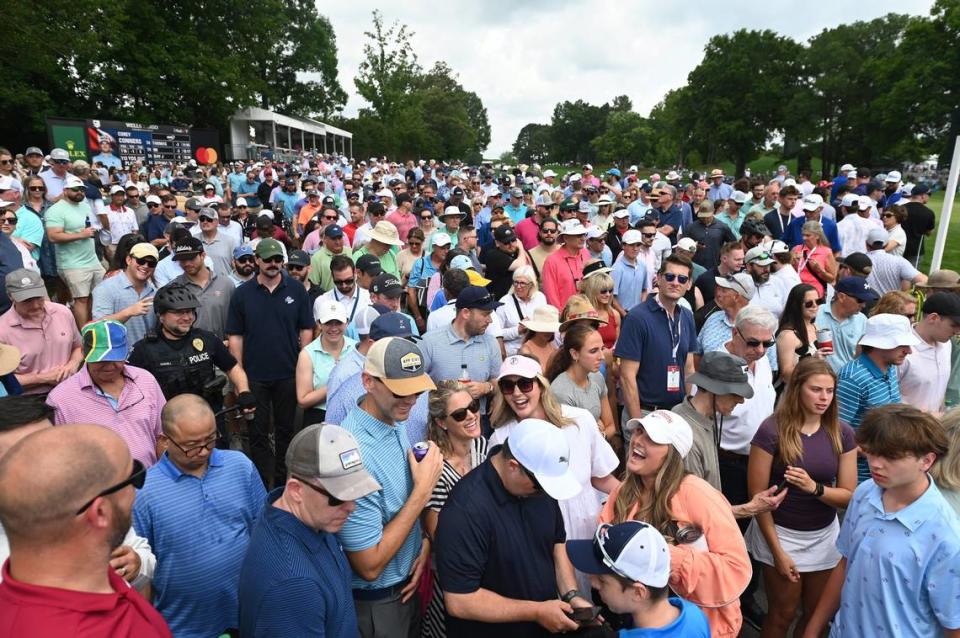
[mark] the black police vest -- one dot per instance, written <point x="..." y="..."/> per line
<point x="180" y="371"/>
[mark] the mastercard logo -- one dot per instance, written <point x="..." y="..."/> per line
<point x="206" y="155"/>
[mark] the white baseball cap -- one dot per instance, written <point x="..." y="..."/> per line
<point x="441" y="240"/>
<point x="153" y="199"/>
<point x="594" y="232"/>
<point x="850" y="199"/>
<point x="117" y="188"/>
<point x="846" y="168"/>
<point x="327" y="310"/>
<point x="549" y="173"/>
<point x="740" y="197"/>
<point x="888" y="331"/>
<point x="633" y="550"/>
<point x="688" y="244"/>
<point x="542" y="448"/>
<point x="740" y="282"/>
<point x="666" y="428"/>
<point x="632" y="236"/>
<point x="620" y="214"/>
<point x="572" y="227"/>
<point x="72" y="181"/>
<point x="241" y="201"/>
<point x="812" y="202"/>
<point x="893" y="177"/>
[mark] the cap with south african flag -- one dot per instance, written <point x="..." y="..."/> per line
<point x="104" y="341"/>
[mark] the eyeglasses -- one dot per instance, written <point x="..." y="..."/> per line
<point x="343" y="283"/>
<point x="246" y="259"/>
<point x="507" y="385"/>
<point x="756" y="343"/>
<point x="813" y="304"/>
<point x="192" y="451"/>
<point x="672" y="276"/>
<point x="522" y="284"/>
<point x="12" y="221"/>
<point x="146" y="261"/>
<point x="331" y="499"/>
<point x="460" y="415"/>
<point x="137" y="477"/>
<point x="37" y="189"/>
<point x="276" y="259"/>
<point x="887" y="215"/>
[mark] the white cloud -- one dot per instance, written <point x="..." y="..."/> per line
<point x="523" y="58"/>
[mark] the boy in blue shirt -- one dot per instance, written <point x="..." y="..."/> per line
<point x="900" y="539"/>
<point x="629" y="565"/>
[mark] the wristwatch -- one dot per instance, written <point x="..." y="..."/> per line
<point x="570" y="595"/>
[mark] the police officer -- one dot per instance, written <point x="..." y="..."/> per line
<point x="183" y="358"/>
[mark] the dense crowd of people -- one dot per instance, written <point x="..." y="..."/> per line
<point x="334" y="397"/>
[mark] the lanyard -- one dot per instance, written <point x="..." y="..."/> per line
<point x="675" y="337"/>
<point x="356" y="299"/>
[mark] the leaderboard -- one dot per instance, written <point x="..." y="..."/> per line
<point x="147" y="144"/>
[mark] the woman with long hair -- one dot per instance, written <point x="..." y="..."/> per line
<point x="805" y="447"/>
<point x="797" y="334"/>
<point x="454" y="426"/>
<point x="946" y="471"/>
<point x="29" y="227"/>
<point x="896" y="302"/>
<point x="523" y="392"/>
<point x="519" y="305"/>
<point x="709" y="565"/>
<point x="814" y="258"/>
<point x="575" y="378"/>
<point x="598" y="289"/>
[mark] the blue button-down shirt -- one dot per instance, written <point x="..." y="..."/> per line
<point x="116" y="293"/>
<point x="199" y="529"/>
<point x="384" y="451"/>
<point x="717" y="331"/>
<point x="903" y="567"/>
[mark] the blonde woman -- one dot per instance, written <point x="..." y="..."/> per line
<point x="523" y="392"/>
<point x="896" y="302"/>
<point x="519" y="305"/>
<point x="709" y="565"/>
<point x="805" y="445"/>
<point x="946" y="471"/>
<point x="454" y="426"/>
<point x="814" y="258"/>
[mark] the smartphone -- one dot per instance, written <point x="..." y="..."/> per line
<point x="782" y="485"/>
<point x="584" y="614"/>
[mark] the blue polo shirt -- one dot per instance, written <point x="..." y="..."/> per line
<point x="649" y="336"/>
<point x="629" y="281"/>
<point x="445" y="352"/>
<point x="270" y="324"/>
<point x="794" y="235"/>
<point x="672" y="217"/>
<point x="492" y="539"/>
<point x="902" y="573"/>
<point x="861" y="385"/>
<point x="691" y="623"/>
<point x="199" y="529"/>
<point x="113" y="294"/>
<point x="384" y="451"/>
<point x="348" y="392"/>
<point x="294" y="581"/>
<point x="846" y="334"/>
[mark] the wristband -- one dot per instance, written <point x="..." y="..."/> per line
<point x="818" y="492"/>
<point x="570" y="595"/>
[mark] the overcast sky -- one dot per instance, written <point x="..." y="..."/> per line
<point x="522" y="58"/>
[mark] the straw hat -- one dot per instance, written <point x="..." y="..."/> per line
<point x="9" y="358"/>
<point x="545" y="319"/>
<point x="386" y="233"/>
<point x="581" y="308"/>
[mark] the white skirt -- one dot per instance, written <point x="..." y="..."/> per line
<point x="811" y="550"/>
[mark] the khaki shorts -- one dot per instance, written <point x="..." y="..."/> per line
<point x="82" y="281"/>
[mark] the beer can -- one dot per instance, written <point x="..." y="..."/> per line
<point x="420" y="450"/>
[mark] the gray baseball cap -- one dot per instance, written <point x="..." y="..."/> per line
<point x="23" y="284"/>
<point x="722" y="373"/>
<point x="330" y="455"/>
<point x="399" y="364"/>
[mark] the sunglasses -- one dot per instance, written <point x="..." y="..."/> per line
<point x="5" y="162"/>
<point x="247" y="259"/>
<point x="61" y="162"/>
<point x="329" y="219"/>
<point x="756" y="343"/>
<point x="460" y="415"/>
<point x="426" y="218"/>
<point x="343" y="283"/>
<point x="75" y="189"/>
<point x="10" y="220"/>
<point x="205" y="218"/>
<point x="146" y="261"/>
<point x="887" y="215"/>
<point x="549" y="231"/>
<point x="413" y="244"/>
<point x="207" y="444"/>
<point x="174" y="207"/>
<point x="137" y="477"/>
<point x="331" y="499"/>
<point x="276" y="259"/>
<point x="814" y="304"/>
<point x="242" y="207"/>
<point x="672" y="276"/>
<point x="295" y="267"/>
<point x="507" y="385"/>
<point x="606" y="291"/>
<point x="37" y="189"/>
<point x="648" y="235"/>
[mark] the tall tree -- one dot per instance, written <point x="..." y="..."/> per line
<point x="533" y="143"/>
<point x="627" y="138"/>
<point x="573" y="127"/>
<point x="389" y="70"/>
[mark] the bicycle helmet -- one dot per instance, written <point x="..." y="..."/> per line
<point x="174" y="297"/>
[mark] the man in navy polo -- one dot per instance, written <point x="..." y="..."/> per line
<point x="295" y="579"/>
<point x="667" y="362"/>
<point x="270" y="320"/>
<point x="501" y="557"/>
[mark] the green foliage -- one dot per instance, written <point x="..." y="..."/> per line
<point x="627" y="139"/>
<point x="573" y="127"/>
<point x="533" y="143"/>
<point x="191" y="62"/>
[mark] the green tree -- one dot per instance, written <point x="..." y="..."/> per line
<point x="389" y="70"/>
<point x="627" y="139"/>
<point x="533" y="143"/>
<point x="573" y="126"/>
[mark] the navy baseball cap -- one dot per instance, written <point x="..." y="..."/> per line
<point x="633" y="550"/>
<point x="332" y="231"/>
<point x="369" y="264"/>
<point x="478" y="298"/>
<point x="298" y="258"/>
<point x="858" y="288"/>
<point x="391" y="324"/>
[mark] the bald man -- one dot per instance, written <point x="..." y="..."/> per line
<point x="24" y="415"/>
<point x="197" y="509"/>
<point x="65" y="501"/>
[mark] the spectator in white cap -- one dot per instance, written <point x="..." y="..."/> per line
<point x="812" y="212"/>
<point x="890" y="272"/>
<point x="872" y="378"/>
<point x="709" y="565"/>
<point x="55" y="178"/>
<point x="632" y="274"/>
<point x="563" y="269"/>
<point x="758" y="262"/>
<point x="597" y="245"/>
<point x="891" y="189"/>
<point x="687" y="247"/>
<point x="121" y="219"/>
<point x="629" y="566"/>
<point x="857" y="221"/>
<point x="295" y="579"/>
<point x="318" y="358"/>
<point x="501" y="556"/>
<point x="733" y="293"/>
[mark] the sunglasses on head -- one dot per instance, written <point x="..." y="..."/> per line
<point x="672" y="276"/>
<point x="146" y="261"/>
<point x="137" y="477"/>
<point x="461" y="414"/>
<point x="813" y="304"/>
<point x="507" y="385"/>
<point x="331" y="499"/>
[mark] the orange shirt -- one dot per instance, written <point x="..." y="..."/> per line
<point x="306" y="214"/>
<point x="712" y="579"/>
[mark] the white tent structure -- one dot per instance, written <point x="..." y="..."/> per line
<point x="255" y="132"/>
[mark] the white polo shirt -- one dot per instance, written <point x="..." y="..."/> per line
<point x="924" y="374"/>
<point x="743" y="423"/>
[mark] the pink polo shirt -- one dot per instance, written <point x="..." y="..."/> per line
<point x="43" y="345"/>
<point x="405" y="222"/>
<point x="561" y="274"/>
<point x="137" y="415"/>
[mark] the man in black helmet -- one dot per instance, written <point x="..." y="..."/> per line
<point x="183" y="358"/>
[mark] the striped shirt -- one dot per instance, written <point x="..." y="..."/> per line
<point x="199" y="529"/>
<point x="889" y="271"/>
<point x="861" y="385"/>
<point x="348" y="392"/>
<point x="384" y="451"/>
<point x="444" y="352"/>
<point x="135" y="417"/>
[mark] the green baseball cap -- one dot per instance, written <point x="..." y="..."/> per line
<point x="268" y="248"/>
<point x="104" y="341"/>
